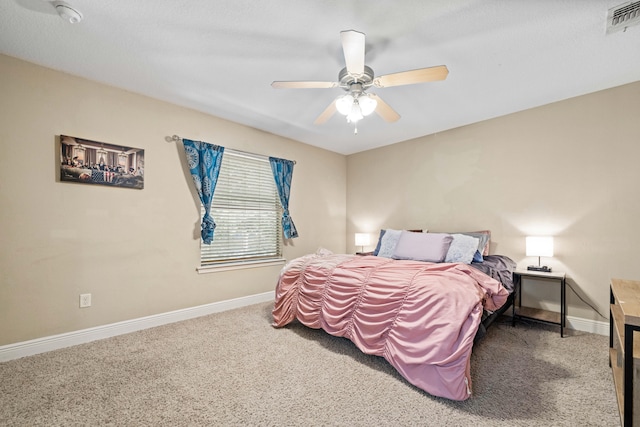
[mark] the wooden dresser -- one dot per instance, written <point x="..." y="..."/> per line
<point x="624" y="348"/>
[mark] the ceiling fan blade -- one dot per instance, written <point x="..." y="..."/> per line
<point x="420" y="75"/>
<point x="326" y="114"/>
<point x="353" y="49"/>
<point x="384" y="110"/>
<point x="304" y="85"/>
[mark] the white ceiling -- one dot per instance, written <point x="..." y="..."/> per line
<point x="220" y="57"/>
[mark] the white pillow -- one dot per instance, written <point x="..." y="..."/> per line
<point x="431" y="247"/>
<point x="388" y="242"/>
<point x="462" y="249"/>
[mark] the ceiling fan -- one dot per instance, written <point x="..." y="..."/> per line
<point x="356" y="78"/>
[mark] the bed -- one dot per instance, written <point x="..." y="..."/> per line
<point x="421" y="316"/>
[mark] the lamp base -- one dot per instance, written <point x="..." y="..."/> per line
<point x="543" y="268"/>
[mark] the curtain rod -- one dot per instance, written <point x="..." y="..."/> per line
<point x="176" y="138"/>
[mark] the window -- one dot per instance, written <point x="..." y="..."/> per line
<point x="247" y="213"/>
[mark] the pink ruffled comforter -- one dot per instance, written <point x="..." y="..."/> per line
<point x="421" y="317"/>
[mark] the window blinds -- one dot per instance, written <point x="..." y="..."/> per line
<point x="246" y="211"/>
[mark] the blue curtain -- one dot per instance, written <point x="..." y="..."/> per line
<point x="204" y="161"/>
<point x="282" y="172"/>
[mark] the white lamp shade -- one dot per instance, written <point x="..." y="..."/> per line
<point x="540" y="246"/>
<point x="367" y="105"/>
<point x="344" y="104"/>
<point x="362" y="239"/>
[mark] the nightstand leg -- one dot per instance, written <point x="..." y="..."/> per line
<point x="516" y="292"/>
<point x="628" y="374"/>
<point x="562" y="306"/>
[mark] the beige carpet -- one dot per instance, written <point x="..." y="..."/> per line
<point x="234" y="369"/>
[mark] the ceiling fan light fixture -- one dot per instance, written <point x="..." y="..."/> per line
<point x="367" y="104"/>
<point x="344" y="104"/>
<point x="355" y="114"/>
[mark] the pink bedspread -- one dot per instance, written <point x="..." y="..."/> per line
<point x="421" y="317"/>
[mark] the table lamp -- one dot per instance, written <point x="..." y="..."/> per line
<point x="362" y="240"/>
<point x="539" y="246"/>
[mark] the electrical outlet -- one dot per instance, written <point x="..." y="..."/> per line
<point x="85" y="300"/>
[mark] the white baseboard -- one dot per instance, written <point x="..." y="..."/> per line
<point x="54" y="342"/>
<point x="584" y="325"/>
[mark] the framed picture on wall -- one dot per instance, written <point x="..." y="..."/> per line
<point x="91" y="162"/>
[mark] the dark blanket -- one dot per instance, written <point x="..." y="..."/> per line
<point x="499" y="267"/>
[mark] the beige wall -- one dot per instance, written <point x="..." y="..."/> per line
<point x="135" y="251"/>
<point x="568" y="169"/>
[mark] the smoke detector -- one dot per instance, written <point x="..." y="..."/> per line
<point x="67" y="12"/>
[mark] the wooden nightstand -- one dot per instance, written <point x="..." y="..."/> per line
<point x="539" y="314"/>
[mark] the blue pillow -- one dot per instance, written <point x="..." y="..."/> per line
<point x="377" y="249"/>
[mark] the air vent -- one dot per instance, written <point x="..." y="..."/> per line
<point x="623" y="16"/>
